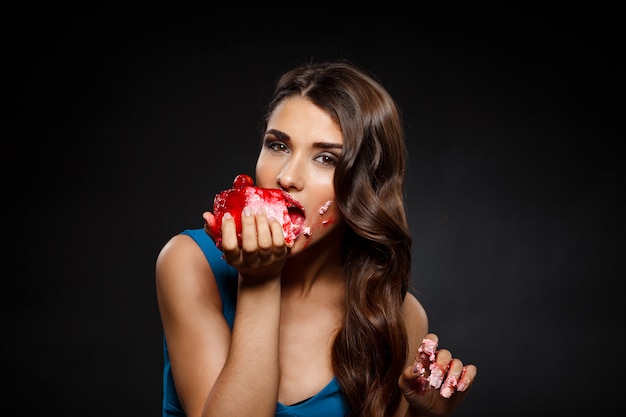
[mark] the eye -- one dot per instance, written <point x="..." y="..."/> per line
<point x="327" y="159"/>
<point x="276" y="146"/>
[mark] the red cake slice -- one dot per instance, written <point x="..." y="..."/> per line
<point x="277" y="204"/>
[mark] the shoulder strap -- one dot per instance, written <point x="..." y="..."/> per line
<point x="225" y="275"/>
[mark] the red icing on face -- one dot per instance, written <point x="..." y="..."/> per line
<point x="325" y="207"/>
<point x="277" y="204"/>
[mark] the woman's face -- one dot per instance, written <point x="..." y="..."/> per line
<point x="301" y="147"/>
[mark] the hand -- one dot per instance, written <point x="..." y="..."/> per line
<point x="263" y="251"/>
<point x="436" y="384"/>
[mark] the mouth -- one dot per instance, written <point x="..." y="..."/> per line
<point x="297" y="215"/>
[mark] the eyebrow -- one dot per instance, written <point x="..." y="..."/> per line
<point x="322" y="145"/>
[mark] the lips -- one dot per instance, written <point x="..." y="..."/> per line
<point x="275" y="202"/>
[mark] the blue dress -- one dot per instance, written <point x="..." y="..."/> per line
<point x="329" y="402"/>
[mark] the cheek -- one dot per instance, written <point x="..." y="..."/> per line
<point x="327" y="215"/>
<point x="264" y="173"/>
<point x="328" y="222"/>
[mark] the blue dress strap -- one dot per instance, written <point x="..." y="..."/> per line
<point x="225" y="275"/>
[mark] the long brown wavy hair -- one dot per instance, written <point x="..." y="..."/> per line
<point x="369" y="351"/>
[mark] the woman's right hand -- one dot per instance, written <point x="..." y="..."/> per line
<point x="263" y="250"/>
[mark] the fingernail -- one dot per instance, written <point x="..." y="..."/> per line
<point x="227" y="215"/>
<point x="418" y="368"/>
<point x="462" y="386"/>
<point x="448" y="387"/>
<point x="247" y="211"/>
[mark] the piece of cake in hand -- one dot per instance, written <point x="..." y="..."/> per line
<point x="436" y="378"/>
<point x="276" y="203"/>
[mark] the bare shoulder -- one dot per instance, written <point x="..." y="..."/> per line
<point x="416" y="321"/>
<point x="183" y="272"/>
<point x="414" y="313"/>
<point x="179" y="248"/>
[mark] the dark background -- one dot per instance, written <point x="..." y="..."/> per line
<point x="122" y="122"/>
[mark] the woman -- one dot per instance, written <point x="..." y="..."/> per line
<point x="325" y="325"/>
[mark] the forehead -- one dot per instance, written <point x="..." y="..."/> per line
<point x="299" y="117"/>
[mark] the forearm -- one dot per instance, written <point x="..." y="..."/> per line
<point x="248" y="383"/>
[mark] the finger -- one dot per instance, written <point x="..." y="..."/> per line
<point x="229" y="232"/>
<point x="412" y="380"/>
<point x="264" y="235"/>
<point x="209" y="223"/>
<point x="467" y="378"/>
<point x="249" y="241"/>
<point x="449" y="385"/>
<point x="278" y="236"/>
<point x="433" y="337"/>
<point x="230" y="243"/>
<point x="424" y="358"/>
<point x="439" y="368"/>
<point x="428" y="349"/>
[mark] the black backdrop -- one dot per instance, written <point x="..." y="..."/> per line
<point x="122" y="122"/>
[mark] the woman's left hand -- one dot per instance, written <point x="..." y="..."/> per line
<point x="437" y="383"/>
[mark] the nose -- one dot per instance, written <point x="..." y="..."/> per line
<point x="290" y="177"/>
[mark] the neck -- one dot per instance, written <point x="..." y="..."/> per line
<point x="304" y="271"/>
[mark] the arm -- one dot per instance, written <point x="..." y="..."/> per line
<point x="420" y="399"/>
<point x="248" y="383"/>
<point x="216" y="372"/>
<point x="190" y="306"/>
